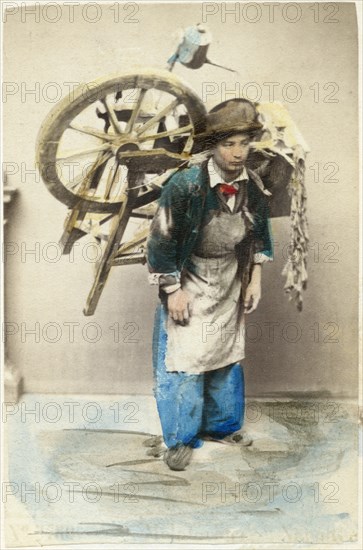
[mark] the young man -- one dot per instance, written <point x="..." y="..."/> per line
<point x="207" y="242"/>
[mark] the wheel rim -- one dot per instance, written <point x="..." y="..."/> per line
<point x="86" y="164"/>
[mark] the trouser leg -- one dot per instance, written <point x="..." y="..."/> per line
<point x="223" y="401"/>
<point x="179" y="396"/>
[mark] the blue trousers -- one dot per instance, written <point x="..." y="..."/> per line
<point x="191" y="406"/>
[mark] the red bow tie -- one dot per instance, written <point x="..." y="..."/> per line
<point x="227" y="189"/>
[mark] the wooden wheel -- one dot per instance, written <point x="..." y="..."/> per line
<point x="90" y="142"/>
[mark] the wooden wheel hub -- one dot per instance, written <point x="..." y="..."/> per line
<point x="122" y="150"/>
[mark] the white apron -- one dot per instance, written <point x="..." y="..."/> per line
<point x="214" y="335"/>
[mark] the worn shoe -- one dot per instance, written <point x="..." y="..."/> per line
<point x="178" y="458"/>
<point x="154" y="441"/>
<point x="156" y="452"/>
<point x="239" y="438"/>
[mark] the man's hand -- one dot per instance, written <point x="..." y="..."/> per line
<point x="253" y="291"/>
<point x="179" y="306"/>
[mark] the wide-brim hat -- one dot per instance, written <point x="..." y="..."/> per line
<point x="228" y="118"/>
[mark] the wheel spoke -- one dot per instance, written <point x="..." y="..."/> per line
<point x="111" y="114"/>
<point x="111" y="179"/>
<point x="175" y="132"/>
<point x="84" y="181"/>
<point x="81" y="152"/>
<point x="189" y="144"/>
<point x="91" y="132"/>
<point x="77" y="181"/>
<point x="164" y="112"/>
<point x="135" y="112"/>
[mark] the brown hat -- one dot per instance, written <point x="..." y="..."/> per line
<point x="233" y="116"/>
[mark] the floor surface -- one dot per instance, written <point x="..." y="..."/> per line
<point x="79" y="472"/>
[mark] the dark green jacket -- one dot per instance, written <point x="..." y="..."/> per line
<point x="183" y="206"/>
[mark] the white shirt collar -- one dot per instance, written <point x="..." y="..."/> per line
<point x="215" y="176"/>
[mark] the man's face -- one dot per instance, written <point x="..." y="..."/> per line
<point x="231" y="153"/>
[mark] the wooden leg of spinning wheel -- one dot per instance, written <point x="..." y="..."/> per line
<point x="118" y="226"/>
<point x="71" y="234"/>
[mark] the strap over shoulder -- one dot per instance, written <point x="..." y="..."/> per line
<point x="258" y="181"/>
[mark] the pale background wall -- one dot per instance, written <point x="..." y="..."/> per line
<point x="38" y="291"/>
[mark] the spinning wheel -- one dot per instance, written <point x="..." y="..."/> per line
<point x="105" y="151"/>
<point x="139" y="122"/>
<point x="107" y="148"/>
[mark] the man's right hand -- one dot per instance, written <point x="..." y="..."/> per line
<point x="179" y="306"/>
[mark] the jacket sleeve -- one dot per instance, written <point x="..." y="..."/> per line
<point x="166" y="233"/>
